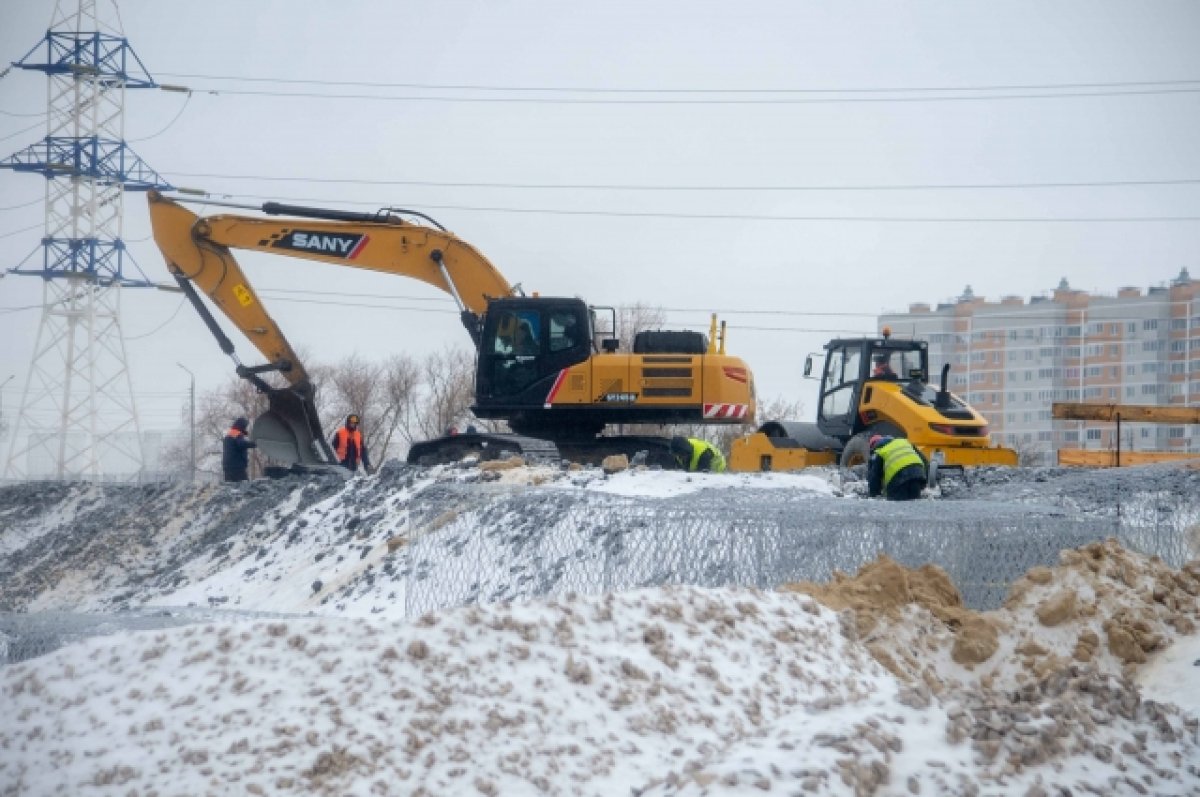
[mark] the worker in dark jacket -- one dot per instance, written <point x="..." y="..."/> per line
<point x="235" y="452"/>
<point x="897" y="470"/>
<point x="693" y="454"/>
<point x="348" y="446"/>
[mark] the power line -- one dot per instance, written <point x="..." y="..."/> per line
<point x="444" y="300"/>
<point x="1024" y="312"/>
<point x="33" y="126"/>
<point x="737" y="216"/>
<point x="725" y="101"/>
<point x="169" y="124"/>
<point x="24" y="204"/>
<point x="686" y="90"/>
<point x="643" y="187"/>
<point x="18" y="232"/>
<point x="182" y="302"/>
<point x="760" y="217"/>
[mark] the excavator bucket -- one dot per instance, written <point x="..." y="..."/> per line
<point x="289" y="432"/>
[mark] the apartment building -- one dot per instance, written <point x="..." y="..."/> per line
<point x="1012" y="358"/>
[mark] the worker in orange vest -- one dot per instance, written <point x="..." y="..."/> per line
<point x="348" y="446"/>
<point x="235" y="452"/>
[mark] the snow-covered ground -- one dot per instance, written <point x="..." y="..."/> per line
<point x="879" y="681"/>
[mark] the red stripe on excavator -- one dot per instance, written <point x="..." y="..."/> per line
<point x="735" y="373"/>
<point x="725" y="410"/>
<point x="358" y="247"/>
<point x="562" y="375"/>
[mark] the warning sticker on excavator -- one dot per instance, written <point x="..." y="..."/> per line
<point x="243" y="295"/>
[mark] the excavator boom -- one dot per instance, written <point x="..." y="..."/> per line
<point x="198" y="254"/>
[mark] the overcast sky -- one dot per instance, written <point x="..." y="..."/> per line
<point x="691" y="190"/>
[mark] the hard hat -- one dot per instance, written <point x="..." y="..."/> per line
<point x="241" y="424"/>
<point x="875" y="440"/>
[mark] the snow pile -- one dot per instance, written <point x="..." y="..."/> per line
<point x="1050" y="677"/>
<point x="595" y="695"/>
<point x="877" y="683"/>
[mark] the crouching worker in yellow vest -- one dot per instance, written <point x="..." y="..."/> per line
<point x="693" y="454"/>
<point x="897" y="470"/>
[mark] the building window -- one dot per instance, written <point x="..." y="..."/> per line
<point x="1093" y="434"/>
<point x="1150" y="323"/>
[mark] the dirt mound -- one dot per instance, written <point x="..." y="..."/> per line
<point x="1103" y="605"/>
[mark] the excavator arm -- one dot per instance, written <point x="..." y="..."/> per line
<point x="198" y="254"/>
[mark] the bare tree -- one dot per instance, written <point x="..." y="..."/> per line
<point x="351" y="387"/>
<point x="379" y="393"/>
<point x="215" y="413"/>
<point x="401" y="380"/>
<point x="444" y="397"/>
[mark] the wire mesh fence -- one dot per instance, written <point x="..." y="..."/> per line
<point x="523" y="544"/>
<point x="627" y="545"/>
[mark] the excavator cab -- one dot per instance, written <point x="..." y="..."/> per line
<point x="526" y="343"/>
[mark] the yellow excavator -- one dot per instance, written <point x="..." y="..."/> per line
<point x="550" y="367"/>
<point x="874" y="386"/>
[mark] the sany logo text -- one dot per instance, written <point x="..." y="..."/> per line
<point x="344" y="245"/>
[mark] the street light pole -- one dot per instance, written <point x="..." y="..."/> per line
<point x="192" y="398"/>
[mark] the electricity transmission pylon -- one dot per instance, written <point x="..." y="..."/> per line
<point x="77" y="417"/>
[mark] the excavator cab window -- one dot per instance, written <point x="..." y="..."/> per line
<point x="564" y="330"/>
<point x="525" y="343"/>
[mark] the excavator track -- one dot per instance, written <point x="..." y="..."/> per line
<point x="650" y="451"/>
<point x="484" y="445"/>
